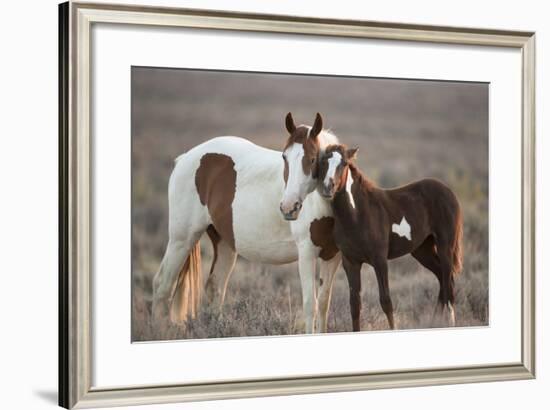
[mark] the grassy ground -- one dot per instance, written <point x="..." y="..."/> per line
<point x="405" y="130"/>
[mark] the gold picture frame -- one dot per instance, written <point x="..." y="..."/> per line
<point x="75" y="353"/>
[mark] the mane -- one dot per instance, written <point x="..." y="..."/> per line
<point x="326" y="138"/>
<point x="363" y="179"/>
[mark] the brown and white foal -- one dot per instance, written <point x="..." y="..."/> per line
<point x="373" y="225"/>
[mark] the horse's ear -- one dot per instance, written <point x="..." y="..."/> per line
<point x="289" y="121"/>
<point x="351" y="153"/>
<point x="317" y="126"/>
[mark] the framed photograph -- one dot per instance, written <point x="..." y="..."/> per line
<point x="299" y="203"/>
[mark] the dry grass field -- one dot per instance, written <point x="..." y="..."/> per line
<point x="405" y="130"/>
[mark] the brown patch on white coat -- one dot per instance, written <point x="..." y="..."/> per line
<point x="216" y="182"/>
<point x="322" y="235"/>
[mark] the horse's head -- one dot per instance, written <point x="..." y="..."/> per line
<point x="301" y="158"/>
<point x="334" y="168"/>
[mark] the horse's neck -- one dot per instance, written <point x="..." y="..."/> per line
<point x="360" y="192"/>
<point x="316" y="204"/>
<point x="358" y="177"/>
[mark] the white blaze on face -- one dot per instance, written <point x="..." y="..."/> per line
<point x="403" y="229"/>
<point x="333" y="163"/>
<point x="349" y="182"/>
<point x="297" y="184"/>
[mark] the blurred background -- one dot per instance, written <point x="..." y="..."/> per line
<point x="405" y="130"/>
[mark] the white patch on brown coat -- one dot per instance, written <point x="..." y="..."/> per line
<point x="403" y="229"/>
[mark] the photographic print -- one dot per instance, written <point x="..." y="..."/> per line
<point x="268" y="204"/>
<point x="261" y="204"/>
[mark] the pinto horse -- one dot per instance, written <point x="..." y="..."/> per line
<point x="373" y="225"/>
<point x="231" y="188"/>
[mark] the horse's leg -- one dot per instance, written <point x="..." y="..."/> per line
<point x="327" y="273"/>
<point x="353" y="273"/>
<point x="427" y="256"/>
<point x="220" y="271"/>
<point x="164" y="281"/>
<point x="381" y="270"/>
<point x="447" y="298"/>
<point x="306" y="266"/>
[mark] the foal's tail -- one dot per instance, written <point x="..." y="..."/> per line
<point x="187" y="293"/>
<point x="457" y="244"/>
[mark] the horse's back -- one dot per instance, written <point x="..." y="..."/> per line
<point x="240" y="153"/>
<point x="229" y="145"/>
<point x="430" y="189"/>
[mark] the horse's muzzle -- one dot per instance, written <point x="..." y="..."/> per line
<point x="328" y="190"/>
<point x="327" y="193"/>
<point x="291" y="215"/>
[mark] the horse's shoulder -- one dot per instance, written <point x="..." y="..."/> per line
<point x="378" y="198"/>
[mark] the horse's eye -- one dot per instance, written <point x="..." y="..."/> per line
<point x="284" y="156"/>
<point x="312" y="160"/>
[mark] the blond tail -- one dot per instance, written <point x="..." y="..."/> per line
<point x="457" y="245"/>
<point x="187" y="293"/>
